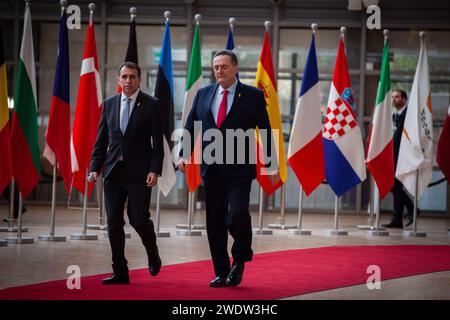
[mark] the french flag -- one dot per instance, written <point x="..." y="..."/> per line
<point x="305" y="152"/>
<point x="342" y="141"/>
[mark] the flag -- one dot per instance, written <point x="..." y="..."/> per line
<point x="5" y="151"/>
<point x="443" y="148"/>
<point x="416" y="145"/>
<point x="132" y="53"/>
<point x="87" y="112"/>
<point x="265" y="80"/>
<point x="193" y="84"/>
<point x="342" y="140"/>
<point x="230" y="43"/>
<point x="164" y="92"/>
<point x="305" y="152"/>
<point x="57" y="149"/>
<point x="380" y="154"/>
<point x="25" y="155"/>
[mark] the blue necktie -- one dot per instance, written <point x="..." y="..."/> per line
<point x="125" y="116"/>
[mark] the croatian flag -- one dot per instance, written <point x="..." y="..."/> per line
<point x="343" y="145"/>
<point x="305" y="153"/>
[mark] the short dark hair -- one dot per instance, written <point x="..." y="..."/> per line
<point x="230" y="53"/>
<point x="131" y="65"/>
<point x="402" y="93"/>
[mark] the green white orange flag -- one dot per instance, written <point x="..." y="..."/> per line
<point x="193" y="84"/>
<point x="265" y="80"/>
<point x="5" y="151"/>
<point x="24" y="137"/>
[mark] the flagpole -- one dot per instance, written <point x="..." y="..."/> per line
<point x="101" y="224"/>
<point x="336" y="231"/>
<point x="51" y="237"/>
<point x="84" y="235"/>
<point x="377" y="230"/>
<point x="370" y="226"/>
<point x="19" y="239"/>
<point x="414" y="232"/>
<point x="261" y="230"/>
<point x="158" y="232"/>
<point x="188" y="231"/>
<point x="10" y="227"/>
<point x="299" y="230"/>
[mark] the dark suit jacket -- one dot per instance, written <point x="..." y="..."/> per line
<point x="398" y="135"/>
<point x="247" y="111"/>
<point x="141" y="145"/>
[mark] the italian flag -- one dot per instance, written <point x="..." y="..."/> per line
<point x="380" y="154"/>
<point x="193" y="84"/>
<point x="24" y="137"/>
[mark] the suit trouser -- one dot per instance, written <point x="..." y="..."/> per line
<point x="227" y="209"/>
<point x="401" y="200"/>
<point x="119" y="187"/>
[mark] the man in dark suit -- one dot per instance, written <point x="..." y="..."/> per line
<point x="401" y="198"/>
<point x="228" y="104"/>
<point x="129" y="149"/>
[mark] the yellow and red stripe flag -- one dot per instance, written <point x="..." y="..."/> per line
<point x="266" y="81"/>
<point x="5" y="151"/>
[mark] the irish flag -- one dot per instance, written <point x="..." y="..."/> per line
<point x="380" y="154"/>
<point x="265" y="80"/>
<point x="193" y="84"/>
<point x="5" y="151"/>
<point x="24" y="137"/>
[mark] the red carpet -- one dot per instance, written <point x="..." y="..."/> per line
<point x="272" y="275"/>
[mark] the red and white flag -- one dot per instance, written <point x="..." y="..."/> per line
<point x="87" y="112"/>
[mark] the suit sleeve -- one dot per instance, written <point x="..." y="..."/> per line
<point x="189" y="127"/>
<point x="157" y="153"/>
<point x="101" y="145"/>
<point x="263" y="122"/>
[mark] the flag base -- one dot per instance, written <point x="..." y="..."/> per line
<point x="188" y="232"/>
<point x="300" y="232"/>
<point x="13" y="229"/>
<point x="334" y="232"/>
<point x="264" y="232"/>
<point x="365" y="227"/>
<point x="15" y="240"/>
<point x="80" y="236"/>
<point x="281" y="226"/>
<point x="97" y="227"/>
<point x="127" y="235"/>
<point x="415" y="234"/>
<point x="378" y="233"/>
<point x="49" y="238"/>
<point x="3" y="243"/>
<point x="194" y="226"/>
<point x="163" y="234"/>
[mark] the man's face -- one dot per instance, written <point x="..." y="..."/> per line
<point x="129" y="80"/>
<point x="224" y="71"/>
<point x="397" y="100"/>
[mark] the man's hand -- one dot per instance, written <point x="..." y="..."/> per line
<point x="92" y="177"/>
<point x="182" y="166"/>
<point x="152" y="179"/>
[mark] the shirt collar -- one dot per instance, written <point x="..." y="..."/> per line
<point x="401" y="110"/>
<point x="132" y="97"/>
<point x="231" y="89"/>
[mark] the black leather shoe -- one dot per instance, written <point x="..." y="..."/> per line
<point x="393" y="224"/>
<point x="116" y="279"/>
<point x="155" y="267"/>
<point x="235" y="276"/>
<point x="218" y="282"/>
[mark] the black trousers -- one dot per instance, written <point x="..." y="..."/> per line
<point x="227" y="210"/>
<point x="119" y="187"/>
<point x="401" y="200"/>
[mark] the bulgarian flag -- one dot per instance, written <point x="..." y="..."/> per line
<point x="193" y="84"/>
<point x="265" y="80"/>
<point x="5" y="151"/>
<point x="380" y="154"/>
<point x="24" y="137"/>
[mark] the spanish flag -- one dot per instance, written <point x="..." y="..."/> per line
<point x="5" y="152"/>
<point x="266" y="81"/>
